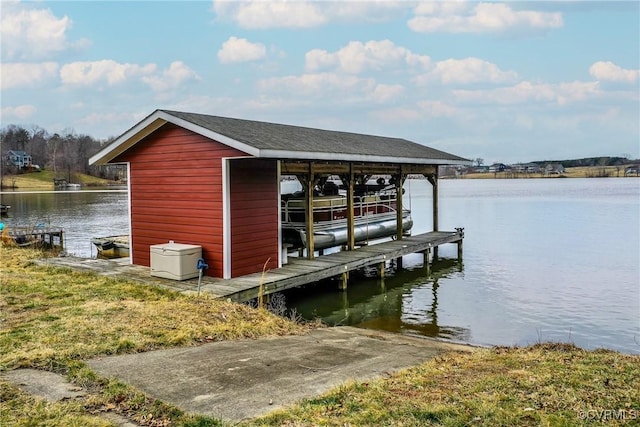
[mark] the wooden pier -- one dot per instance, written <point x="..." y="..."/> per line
<point x="298" y="271"/>
<point x="39" y="236"/>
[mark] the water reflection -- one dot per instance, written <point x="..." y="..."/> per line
<point x="405" y="301"/>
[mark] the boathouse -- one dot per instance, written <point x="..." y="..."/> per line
<point x="215" y="181"/>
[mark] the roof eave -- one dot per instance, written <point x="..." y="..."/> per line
<point x="305" y="155"/>
<point x="127" y="140"/>
<point x="152" y="123"/>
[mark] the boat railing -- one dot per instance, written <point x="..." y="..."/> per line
<point x="333" y="209"/>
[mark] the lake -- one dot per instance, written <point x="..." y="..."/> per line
<point x="544" y="260"/>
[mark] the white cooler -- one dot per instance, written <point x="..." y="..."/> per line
<point x="175" y="261"/>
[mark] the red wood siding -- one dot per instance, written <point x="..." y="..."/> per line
<point x="176" y="193"/>
<point x="254" y="209"/>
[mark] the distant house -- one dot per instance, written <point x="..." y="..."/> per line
<point x="554" y="169"/>
<point x="497" y="167"/>
<point x="19" y="159"/>
<point x="527" y="168"/>
<point x="632" y="170"/>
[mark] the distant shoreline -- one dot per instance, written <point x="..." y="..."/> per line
<point x="25" y="182"/>
<point x="575" y="172"/>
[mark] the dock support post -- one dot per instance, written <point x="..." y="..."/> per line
<point x="461" y="237"/>
<point x="433" y="179"/>
<point x="343" y="281"/>
<point x="427" y="263"/>
<point x="381" y="269"/>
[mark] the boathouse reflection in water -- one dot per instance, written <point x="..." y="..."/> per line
<point x="389" y="304"/>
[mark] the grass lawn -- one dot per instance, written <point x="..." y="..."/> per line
<point x="43" y="180"/>
<point x="55" y="319"/>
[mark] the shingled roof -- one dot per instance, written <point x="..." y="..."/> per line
<point x="280" y="141"/>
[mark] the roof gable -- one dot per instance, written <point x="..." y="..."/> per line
<point x="280" y="141"/>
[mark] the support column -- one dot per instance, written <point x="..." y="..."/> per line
<point x="308" y="207"/>
<point x="399" y="206"/>
<point x="381" y="267"/>
<point x="351" y="222"/>
<point x="435" y="200"/>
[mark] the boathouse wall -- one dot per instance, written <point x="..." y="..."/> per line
<point x="254" y="215"/>
<point x="176" y="185"/>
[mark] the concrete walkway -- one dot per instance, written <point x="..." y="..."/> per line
<point x="236" y="380"/>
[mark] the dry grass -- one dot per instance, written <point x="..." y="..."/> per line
<point x="50" y="314"/>
<point x="53" y="319"/>
<point x="577" y="172"/>
<point x="543" y="385"/>
<point x="44" y="180"/>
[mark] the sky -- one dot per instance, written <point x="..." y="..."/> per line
<point x="499" y="81"/>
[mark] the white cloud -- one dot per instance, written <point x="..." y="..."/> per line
<point x="304" y="13"/>
<point x="357" y="57"/>
<point x="384" y="93"/>
<point x="271" y="14"/>
<point x="241" y="50"/>
<point x="422" y="110"/>
<point x="465" y="71"/>
<point x="21" y="112"/>
<point x="608" y="71"/>
<point x="33" y="34"/>
<point x="318" y="84"/>
<point x="463" y="17"/>
<point x="527" y="92"/>
<point x="96" y="72"/>
<point x="177" y="74"/>
<point x="16" y="75"/>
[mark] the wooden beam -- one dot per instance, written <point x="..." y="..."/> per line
<point x="295" y="167"/>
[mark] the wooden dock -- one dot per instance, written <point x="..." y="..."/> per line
<point x="297" y="272"/>
<point x="38" y="236"/>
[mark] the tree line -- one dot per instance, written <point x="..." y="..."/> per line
<point x="593" y="161"/>
<point x="65" y="154"/>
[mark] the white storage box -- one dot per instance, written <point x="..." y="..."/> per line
<point x="175" y="261"/>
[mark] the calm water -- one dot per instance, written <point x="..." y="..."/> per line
<point x="544" y="259"/>
<point x="82" y="214"/>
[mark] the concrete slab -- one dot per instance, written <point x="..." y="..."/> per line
<point x="47" y="385"/>
<point x="236" y="380"/>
